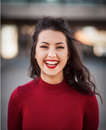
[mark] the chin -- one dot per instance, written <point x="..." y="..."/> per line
<point x="51" y="74"/>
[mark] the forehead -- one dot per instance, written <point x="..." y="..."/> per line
<point x="51" y="36"/>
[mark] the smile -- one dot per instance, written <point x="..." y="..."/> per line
<point x="51" y="63"/>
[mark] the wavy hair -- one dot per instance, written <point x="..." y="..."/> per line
<point x="75" y="73"/>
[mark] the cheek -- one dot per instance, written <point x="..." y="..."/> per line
<point x="40" y="56"/>
<point x="63" y="54"/>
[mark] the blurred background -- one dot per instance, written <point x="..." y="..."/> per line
<point x="87" y="18"/>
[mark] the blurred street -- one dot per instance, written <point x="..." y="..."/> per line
<point x="15" y="71"/>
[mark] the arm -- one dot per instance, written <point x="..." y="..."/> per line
<point x="91" y="114"/>
<point x="14" y="112"/>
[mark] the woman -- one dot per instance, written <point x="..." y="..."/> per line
<point x="60" y="96"/>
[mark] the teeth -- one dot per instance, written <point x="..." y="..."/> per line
<point x="51" y="62"/>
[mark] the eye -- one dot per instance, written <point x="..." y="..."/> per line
<point x="43" y="47"/>
<point x="60" y="47"/>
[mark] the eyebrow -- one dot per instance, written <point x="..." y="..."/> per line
<point x="56" y="43"/>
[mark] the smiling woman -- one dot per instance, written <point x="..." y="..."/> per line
<point x="61" y="93"/>
<point x="51" y="55"/>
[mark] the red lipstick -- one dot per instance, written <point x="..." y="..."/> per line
<point x="51" y="65"/>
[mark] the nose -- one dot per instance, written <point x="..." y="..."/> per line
<point x="51" y="53"/>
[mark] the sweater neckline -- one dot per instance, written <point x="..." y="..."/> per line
<point x="53" y="88"/>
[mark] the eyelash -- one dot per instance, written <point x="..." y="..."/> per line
<point x="43" y="47"/>
<point x="60" y="47"/>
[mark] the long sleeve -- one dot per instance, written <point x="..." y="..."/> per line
<point x="14" y="112"/>
<point x="91" y="114"/>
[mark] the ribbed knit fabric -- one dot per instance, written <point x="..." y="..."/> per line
<point x="44" y="106"/>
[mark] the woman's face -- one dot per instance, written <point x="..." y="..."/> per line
<point x="51" y="53"/>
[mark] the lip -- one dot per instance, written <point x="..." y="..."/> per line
<point x="51" y="60"/>
<point x="51" y="67"/>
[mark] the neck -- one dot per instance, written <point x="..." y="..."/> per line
<point x="52" y="79"/>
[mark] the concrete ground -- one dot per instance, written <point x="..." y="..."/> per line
<point x="15" y="71"/>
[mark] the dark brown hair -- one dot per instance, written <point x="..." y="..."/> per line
<point x="75" y="73"/>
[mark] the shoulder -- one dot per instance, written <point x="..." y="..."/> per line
<point x="91" y="100"/>
<point x="90" y="103"/>
<point x="23" y="90"/>
<point x="26" y="87"/>
<point x="86" y="99"/>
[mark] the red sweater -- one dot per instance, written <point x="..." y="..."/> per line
<point x="46" y="106"/>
